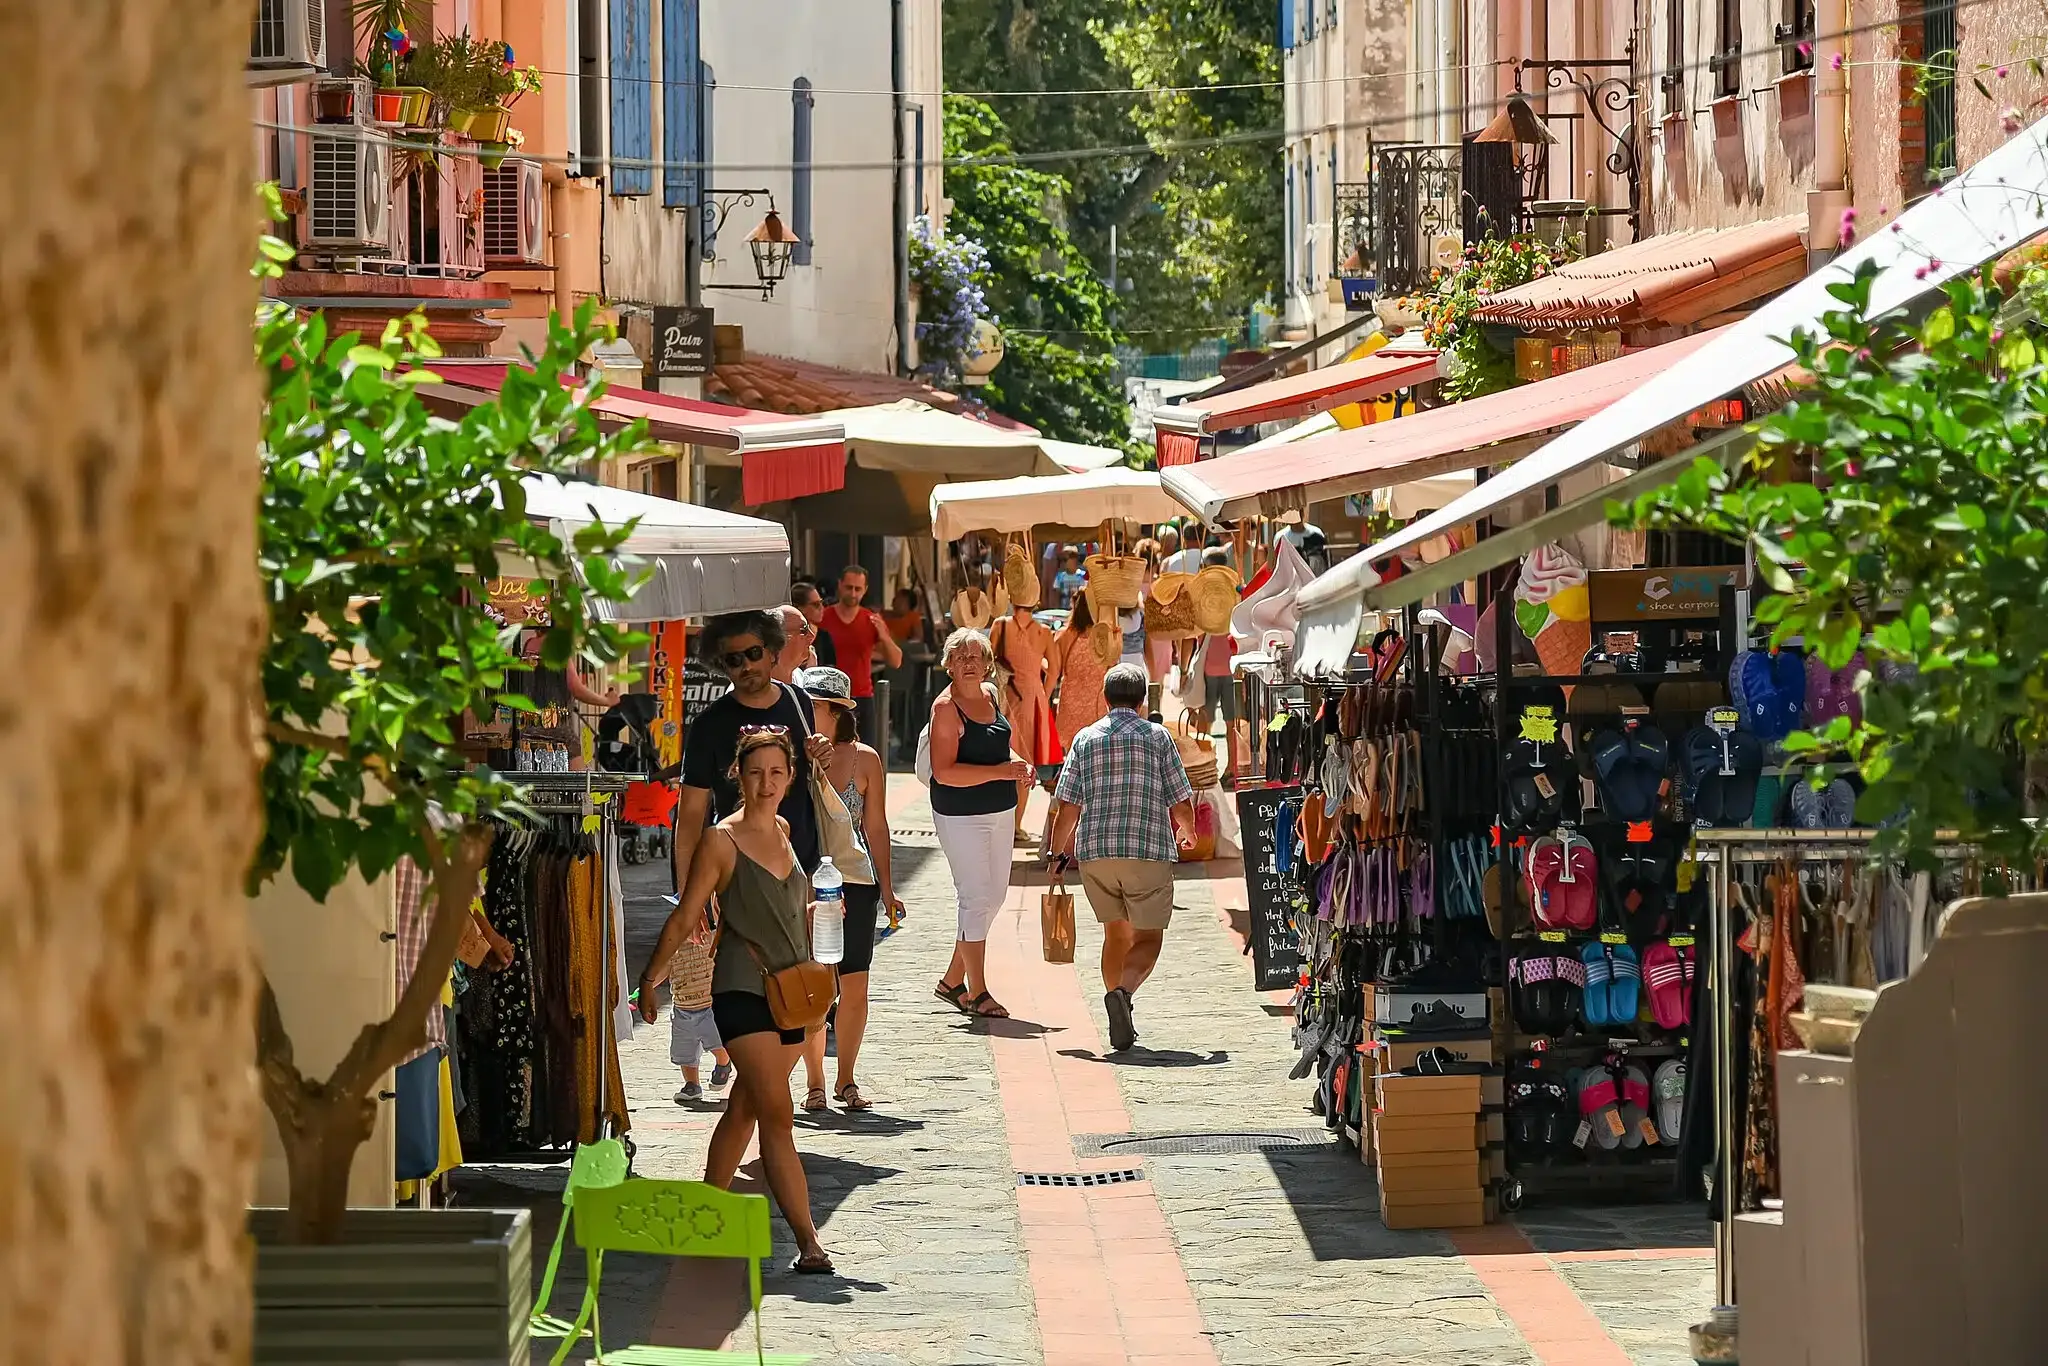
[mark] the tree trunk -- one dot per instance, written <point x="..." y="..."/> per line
<point x="130" y="633"/>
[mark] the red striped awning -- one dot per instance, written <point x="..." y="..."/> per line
<point x="1317" y="391"/>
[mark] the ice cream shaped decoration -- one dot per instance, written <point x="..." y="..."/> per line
<point x="1552" y="608"/>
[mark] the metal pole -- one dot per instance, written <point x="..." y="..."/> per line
<point x="1726" y="1139"/>
<point x="881" y="705"/>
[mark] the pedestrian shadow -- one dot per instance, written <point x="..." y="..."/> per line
<point x="862" y="1122"/>
<point x="1011" y="1028"/>
<point x="1149" y="1057"/>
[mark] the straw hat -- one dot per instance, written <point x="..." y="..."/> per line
<point x="1215" y="593"/>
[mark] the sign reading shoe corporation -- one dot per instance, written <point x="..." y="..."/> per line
<point x="1667" y="594"/>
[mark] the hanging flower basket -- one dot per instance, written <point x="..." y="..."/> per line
<point x="461" y="120"/>
<point x="492" y="154"/>
<point x="489" y="125"/>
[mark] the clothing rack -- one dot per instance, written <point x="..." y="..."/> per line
<point x="1724" y="851"/>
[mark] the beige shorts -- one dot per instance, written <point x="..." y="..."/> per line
<point x="1139" y="890"/>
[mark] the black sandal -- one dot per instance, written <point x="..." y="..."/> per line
<point x="954" y="996"/>
<point x="820" y="1265"/>
<point x="979" y="1006"/>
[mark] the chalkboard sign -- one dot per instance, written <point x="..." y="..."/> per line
<point x="682" y="342"/>
<point x="1276" y="948"/>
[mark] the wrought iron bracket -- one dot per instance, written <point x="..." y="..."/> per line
<point x="1610" y="102"/>
<point x="717" y="206"/>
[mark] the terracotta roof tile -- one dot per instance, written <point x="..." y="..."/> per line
<point x="1676" y="277"/>
<point x="783" y="385"/>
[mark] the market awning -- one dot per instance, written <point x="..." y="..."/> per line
<point x="704" y="561"/>
<point x="780" y="456"/>
<point x="1990" y="209"/>
<point x="1076" y="500"/>
<point x="1458" y="436"/>
<point x="1674" y="278"/>
<point x="908" y="437"/>
<point x="1079" y="458"/>
<point x="1178" y="428"/>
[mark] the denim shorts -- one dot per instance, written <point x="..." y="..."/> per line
<point x="691" y="1033"/>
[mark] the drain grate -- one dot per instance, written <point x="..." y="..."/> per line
<point x="1217" y="1144"/>
<point x="1079" y="1178"/>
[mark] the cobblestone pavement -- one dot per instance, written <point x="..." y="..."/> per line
<point x="1259" y="1257"/>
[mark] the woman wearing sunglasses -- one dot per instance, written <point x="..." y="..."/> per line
<point x="747" y="861"/>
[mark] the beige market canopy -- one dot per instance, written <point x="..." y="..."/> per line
<point x="703" y="560"/>
<point x="908" y="437"/>
<point x="1077" y="500"/>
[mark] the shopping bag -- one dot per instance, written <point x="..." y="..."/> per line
<point x="1056" y="923"/>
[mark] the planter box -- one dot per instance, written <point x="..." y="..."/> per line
<point x="447" y="1287"/>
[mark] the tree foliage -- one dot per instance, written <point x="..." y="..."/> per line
<point x="1198" y="232"/>
<point x="1059" y="368"/>
<point x="1921" y="540"/>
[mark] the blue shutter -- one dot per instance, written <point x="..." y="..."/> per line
<point x="1292" y="218"/>
<point x="707" y="87"/>
<point x="632" y="82"/>
<point x="680" y="106"/>
<point x="1287" y="29"/>
<point x="801" y="101"/>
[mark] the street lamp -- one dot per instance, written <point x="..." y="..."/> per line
<point x="771" y="245"/>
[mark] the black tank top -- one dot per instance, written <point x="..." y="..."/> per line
<point x="981" y="742"/>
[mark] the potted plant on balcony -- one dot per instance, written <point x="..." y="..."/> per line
<point x="489" y="85"/>
<point x="387" y="30"/>
<point x="379" y="640"/>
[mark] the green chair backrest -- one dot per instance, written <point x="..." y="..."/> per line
<point x="673" y="1218"/>
<point x="603" y="1163"/>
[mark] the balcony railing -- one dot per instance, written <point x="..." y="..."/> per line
<point x="1416" y="220"/>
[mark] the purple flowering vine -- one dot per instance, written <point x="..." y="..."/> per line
<point x="950" y="272"/>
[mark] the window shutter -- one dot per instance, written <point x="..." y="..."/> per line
<point x="707" y="90"/>
<point x="1287" y="30"/>
<point x="632" y="92"/>
<point x="801" y="102"/>
<point x="680" y="104"/>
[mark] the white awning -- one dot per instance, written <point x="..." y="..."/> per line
<point x="1077" y="500"/>
<point x="1991" y="208"/>
<point x="704" y="561"/>
<point x="908" y="437"/>
<point x="1078" y="457"/>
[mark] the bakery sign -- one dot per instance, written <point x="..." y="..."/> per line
<point x="1670" y="593"/>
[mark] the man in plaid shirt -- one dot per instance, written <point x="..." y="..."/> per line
<point x="1124" y="787"/>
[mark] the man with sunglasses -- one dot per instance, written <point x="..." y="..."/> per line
<point x="745" y="646"/>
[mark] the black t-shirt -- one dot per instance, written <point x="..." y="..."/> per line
<point x="828" y="653"/>
<point x="713" y="739"/>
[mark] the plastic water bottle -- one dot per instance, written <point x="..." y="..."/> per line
<point x="828" y="913"/>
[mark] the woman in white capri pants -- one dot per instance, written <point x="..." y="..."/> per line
<point x="975" y="781"/>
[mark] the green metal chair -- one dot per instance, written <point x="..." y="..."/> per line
<point x="603" y="1163"/>
<point x="672" y="1219"/>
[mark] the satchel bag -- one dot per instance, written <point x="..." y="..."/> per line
<point x="1056" y="923"/>
<point x="799" y="996"/>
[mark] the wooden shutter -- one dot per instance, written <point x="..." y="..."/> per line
<point x="632" y="92"/>
<point x="801" y="102"/>
<point x="680" y="106"/>
<point x="1491" y="192"/>
<point x="707" y="92"/>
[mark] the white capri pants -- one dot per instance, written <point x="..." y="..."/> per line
<point x="978" y="850"/>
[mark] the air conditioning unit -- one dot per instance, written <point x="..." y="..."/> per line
<point x="515" y="214"/>
<point x="348" y="202"/>
<point x="289" y="41"/>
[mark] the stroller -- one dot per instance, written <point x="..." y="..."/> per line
<point x="625" y="744"/>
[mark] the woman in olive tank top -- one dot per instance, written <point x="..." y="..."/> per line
<point x="763" y="900"/>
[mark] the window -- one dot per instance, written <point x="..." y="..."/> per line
<point x="801" y="101"/>
<point x="1727" y="59"/>
<point x="1795" y="32"/>
<point x="917" y="194"/>
<point x="681" y="141"/>
<point x="1287" y="29"/>
<point x="632" y="102"/>
<point x="707" y="86"/>
<point x="1673" y="79"/>
<point x="1938" y="85"/>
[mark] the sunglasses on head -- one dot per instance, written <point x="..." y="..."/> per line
<point x="753" y="654"/>
<point x="763" y="730"/>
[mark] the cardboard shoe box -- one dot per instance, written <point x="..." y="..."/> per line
<point x="1404" y="1176"/>
<point x="1429" y="1009"/>
<point x="1434" y="1209"/>
<point x="1398" y="1050"/>
<point x="1398" y="1093"/>
<point x="1399" y="1135"/>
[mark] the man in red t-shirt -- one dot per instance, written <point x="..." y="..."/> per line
<point x="855" y="632"/>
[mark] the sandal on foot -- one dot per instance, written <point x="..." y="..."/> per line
<point x="814" y="1101"/>
<point x="849" y="1096"/>
<point x="820" y="1265"/>
<point x="954" y="996"/>
<point x="987" y="1007"/>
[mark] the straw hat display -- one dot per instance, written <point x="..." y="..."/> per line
<point x="1214" y="591"/>
<point x="1020" y="576"/>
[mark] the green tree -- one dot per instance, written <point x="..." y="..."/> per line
<point x="1921" y="539"/>
<point x="1059" y="371"/>
<point x="378" y="527"/>
<point x="1197" y="230"/>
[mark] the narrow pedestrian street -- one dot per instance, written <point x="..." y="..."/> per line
<point x="1220" y="1222"/>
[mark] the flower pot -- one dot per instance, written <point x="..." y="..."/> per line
<point x="388" y="107"/>
<point x="489" y="125"/>
<point x="402" y="1285"/>
<point x="418" y="100"/>
<point x="460" y="120"/>
<point x="334" y="104"/>
<point x="492" y="154"/>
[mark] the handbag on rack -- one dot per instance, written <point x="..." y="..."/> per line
<point x="1020" y="576"/>
<point x="1056" y="922"/>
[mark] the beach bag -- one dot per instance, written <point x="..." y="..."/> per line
<point x="1056" y="923"/>
<point x="1170" y="608"/>
<point x="1115" y="581"/>
<point x="1020" y="576"/>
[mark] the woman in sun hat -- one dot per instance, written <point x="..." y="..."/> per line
<point x="856" y="774"/>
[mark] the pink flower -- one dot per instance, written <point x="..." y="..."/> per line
<point x="2001" y="73"/>
<point x="2010" y="121"/>
<point x="1806" y="47"/>
<point x="1934" y="263"/>
<point x="1835" y="62"/>
<point x="1850" y="468"/>
<point x="1848" y="230"/>
<point x="1919" y="272"/>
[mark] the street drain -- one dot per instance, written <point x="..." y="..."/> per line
<point x="1079" y="1178"/>
<point x="1221" y="1144"/>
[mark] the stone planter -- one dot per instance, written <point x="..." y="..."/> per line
<point x="452" y="1287"/>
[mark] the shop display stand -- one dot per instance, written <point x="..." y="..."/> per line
<point x="553" y="795"/>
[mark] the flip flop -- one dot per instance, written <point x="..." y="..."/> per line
<point x="1599" y="1102"/>
<point x="1635" y="1108"/>
<point x="954" y="996"/>
<point x="1599" y="977"/>
<point x="820" y="1265"/>
<point x="814" y="1101"/>
<point x="1624" y="997"/>
<point x="1669" y="1086"/>
<point x="987" y="1007"/>
<point x="849" y="1096"/>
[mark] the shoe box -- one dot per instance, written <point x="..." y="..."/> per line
<point x="1428" y="1010"/>
<point x="1427" y="1150"/>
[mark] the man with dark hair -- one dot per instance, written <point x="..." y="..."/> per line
<point x="743" y="646"/>
<point x="855" y="631"/>
<point x="1125" y="790"/>
<point x="804" y="596"/>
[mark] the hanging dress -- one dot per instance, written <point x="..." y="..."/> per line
<point x="1081" y="703"/>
